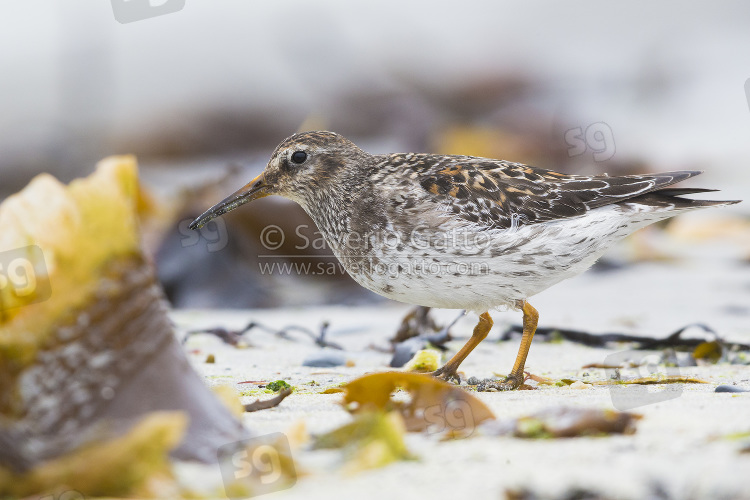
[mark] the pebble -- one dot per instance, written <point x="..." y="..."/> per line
<point x="730" y="388"/>
<point x="406" y="350"/>
<point x="325" y="359"/>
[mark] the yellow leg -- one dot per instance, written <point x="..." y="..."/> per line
<point x="449" y="370"/>
<point x="515" y="379"/>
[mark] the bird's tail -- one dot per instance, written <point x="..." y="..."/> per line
<point x="672" y="197"/>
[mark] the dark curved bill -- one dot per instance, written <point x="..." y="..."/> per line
<point x="253" y="190"/>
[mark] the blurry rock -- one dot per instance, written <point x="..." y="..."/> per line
<point x="326" y="358"/>
<point x="87" y="352"/>
<point x="406" y="350"/>
<point x="730" y="388"/>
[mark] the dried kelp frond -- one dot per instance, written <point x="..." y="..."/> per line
<point x="417" y="322"/>
<point x="238" y="337"/>
<point x="83" y="364"/>
<point x="123" y="464"/>
<point x="434" y="405"/>
<point x="374" y="439"/>
<point x="709" y="352"/>
<point x="675" y="340"/>
<point x="652" y="380"/>
<point x="424" y="361"/>
<point x="565" y="422"/>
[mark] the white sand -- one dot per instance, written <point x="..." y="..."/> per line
<point x="674" y="446"/>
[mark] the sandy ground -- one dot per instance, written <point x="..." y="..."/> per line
<point x="674" y="450"/>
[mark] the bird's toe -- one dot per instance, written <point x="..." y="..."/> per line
<point x="447" y="374"/>
<point x="510" y="383"/>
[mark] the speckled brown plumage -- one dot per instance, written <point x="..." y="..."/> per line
<point x="460" y="231"/>
<point x="490" y="192"/>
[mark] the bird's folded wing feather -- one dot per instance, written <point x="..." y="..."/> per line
<point x="498" y="194"/>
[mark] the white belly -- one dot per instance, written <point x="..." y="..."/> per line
<point x="506" y="266"/>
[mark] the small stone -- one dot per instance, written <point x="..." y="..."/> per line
<point x="730" y="388"/>
<point x="404" y="351"/>
<point x="325" y="359"/>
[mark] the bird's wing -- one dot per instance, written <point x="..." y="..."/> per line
<point x="498" y="194"/>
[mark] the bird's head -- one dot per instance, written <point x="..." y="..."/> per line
<point x="300" y="168"/>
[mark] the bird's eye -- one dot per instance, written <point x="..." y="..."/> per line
<point x="299" y="157"/>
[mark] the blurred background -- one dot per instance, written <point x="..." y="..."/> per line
<point x="202" y="96"/>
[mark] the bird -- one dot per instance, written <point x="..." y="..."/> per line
<point x="460" y="232"/>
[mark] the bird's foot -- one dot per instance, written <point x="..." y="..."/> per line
<point x="447" y="373"/>
<point x="511" y="382"/>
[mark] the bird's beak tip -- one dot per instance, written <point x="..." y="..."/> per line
<point x="251" y="191"/>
